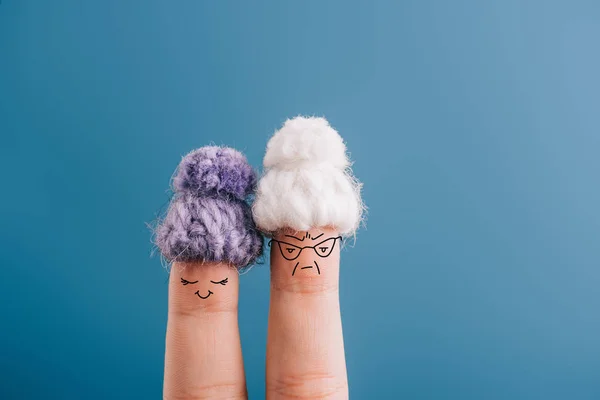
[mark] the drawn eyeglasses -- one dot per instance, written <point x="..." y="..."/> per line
<point x="291" y="252"/>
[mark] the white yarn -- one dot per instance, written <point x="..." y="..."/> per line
<point x="308" y="181"/>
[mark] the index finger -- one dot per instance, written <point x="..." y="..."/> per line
<point x="305" y="350"/>
<point x="307" y="198"/>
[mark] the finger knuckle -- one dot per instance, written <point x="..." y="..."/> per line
<point x="309" y="385"/>
<point x="223" y="390"/>
<point x="305" y="287"/>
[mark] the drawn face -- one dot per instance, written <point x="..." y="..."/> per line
<point x="305" y="251"/>
<point x="204" y="295"/>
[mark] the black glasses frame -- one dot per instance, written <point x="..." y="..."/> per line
<point x="287" y="257"/>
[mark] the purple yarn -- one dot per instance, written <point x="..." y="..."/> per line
<point x="215" y="170"/>
<point x="209" y="218"/>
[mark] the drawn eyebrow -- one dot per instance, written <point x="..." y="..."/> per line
<point x="186" y="282"/>
<point x="316" y="237"/>
<point x="289" y="244"/>
<point x="301" y="240"/>
<point x="328" y="239"/>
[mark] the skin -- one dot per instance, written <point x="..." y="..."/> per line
<point x="305" y="349"/>
<point x="203" y="358"/>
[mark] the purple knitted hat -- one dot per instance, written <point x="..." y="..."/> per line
<point x="209" y="218"/>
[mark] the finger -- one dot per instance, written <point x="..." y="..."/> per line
<point x="305" y="349"/>
<point x="203" y="357"/>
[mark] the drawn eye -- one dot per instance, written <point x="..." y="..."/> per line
<point x="325" y="248"/>
<point x="223" y="282"/>
<point x="186" y="282"/>
<point x="289" y="251"/>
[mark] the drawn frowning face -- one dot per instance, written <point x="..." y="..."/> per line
<point x="306" y="250"/>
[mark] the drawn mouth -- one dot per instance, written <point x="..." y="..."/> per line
<point x="307" y="267"/>
<point x="206" y="297"/>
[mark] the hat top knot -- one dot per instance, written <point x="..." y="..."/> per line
<point x="215" y="171"/>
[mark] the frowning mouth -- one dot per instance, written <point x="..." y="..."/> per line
<point x="206" y="297"/>
<point x="307" y="267"/>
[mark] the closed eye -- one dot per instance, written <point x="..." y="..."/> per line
<point x="223" y="282"/>
<point x="186" y="282"/>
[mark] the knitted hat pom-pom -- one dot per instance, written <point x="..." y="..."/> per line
<point x="215" y="171"/>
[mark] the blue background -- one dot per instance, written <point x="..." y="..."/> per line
<point x="475" y="127"/>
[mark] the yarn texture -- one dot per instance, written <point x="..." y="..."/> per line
<point x="307" y="181"/>
<point x="214" y="171"/>
<point x="209" y="219"/>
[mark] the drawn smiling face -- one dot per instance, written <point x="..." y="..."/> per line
<point x="222" y="282"/>
<point x="306" y="250"/>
